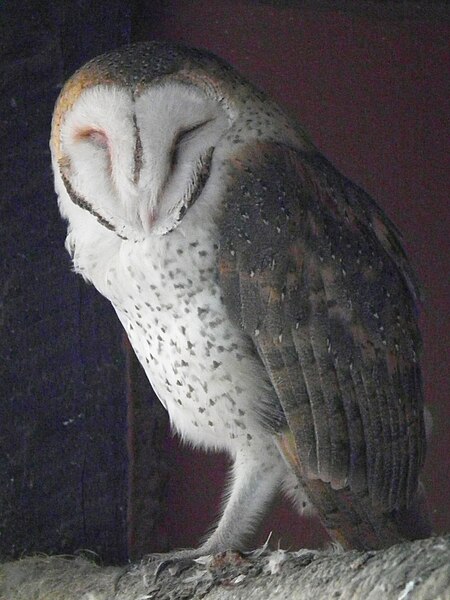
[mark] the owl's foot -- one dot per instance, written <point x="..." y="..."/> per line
<point x="177" y="561"/>
<point x="180" y="560"/>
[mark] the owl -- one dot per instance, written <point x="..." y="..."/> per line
<point x="267" y="297"/>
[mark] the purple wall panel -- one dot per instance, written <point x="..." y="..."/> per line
<point x="63" y="463"/>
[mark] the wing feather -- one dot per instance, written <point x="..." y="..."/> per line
<point x="314" y="273"/>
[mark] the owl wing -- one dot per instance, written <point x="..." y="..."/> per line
<point x="314" y="273"/>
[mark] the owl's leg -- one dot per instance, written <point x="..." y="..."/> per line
<point x="255" y="479"/>
<point x="296" y="494"/>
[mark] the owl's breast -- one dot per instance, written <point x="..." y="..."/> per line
<point x="199" y="364"/>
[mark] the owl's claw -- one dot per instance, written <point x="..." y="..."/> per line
<point x="184" y="559"/>
<point x="180" y="564"/>
<point x="179" y="560"/>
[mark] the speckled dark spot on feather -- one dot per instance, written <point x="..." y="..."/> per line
<point x="230" y="399"/>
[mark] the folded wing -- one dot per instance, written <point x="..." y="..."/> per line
<point x="314" y="273"/>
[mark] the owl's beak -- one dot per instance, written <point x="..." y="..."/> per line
<point x="152" y="217"/>
<point x="148" y="217"/>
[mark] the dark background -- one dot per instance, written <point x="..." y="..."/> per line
<point x="86" y="460"/>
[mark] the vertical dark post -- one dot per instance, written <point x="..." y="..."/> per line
<point x="147" y="471"/>
<point x="63" y="454"/>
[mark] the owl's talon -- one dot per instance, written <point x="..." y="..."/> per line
<point x="178" y="563"/>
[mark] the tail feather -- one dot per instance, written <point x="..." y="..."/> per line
<point x="353" y="519"/>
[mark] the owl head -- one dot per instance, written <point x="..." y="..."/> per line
<point x="139" y="135"/>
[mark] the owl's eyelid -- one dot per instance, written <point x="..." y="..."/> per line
<point x="94" y="135"/>
<point x="183" y="134"/>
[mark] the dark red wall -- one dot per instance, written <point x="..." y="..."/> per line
<point x="372" y="91"/>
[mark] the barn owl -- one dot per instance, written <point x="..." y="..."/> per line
<point x="267" y="297"/>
